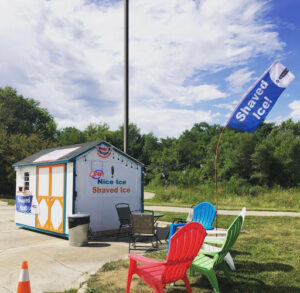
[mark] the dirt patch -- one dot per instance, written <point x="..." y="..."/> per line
<point x="115" y="281"/>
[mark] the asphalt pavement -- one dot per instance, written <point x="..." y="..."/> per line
<point x="53" y="264"/>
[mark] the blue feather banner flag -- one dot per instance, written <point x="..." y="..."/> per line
<point x="260" y="98"/>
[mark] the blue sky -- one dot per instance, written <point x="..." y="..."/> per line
<point x="190" y="61"/>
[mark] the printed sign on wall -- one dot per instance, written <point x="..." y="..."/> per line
<point x="23" y="203"/>
<point x="109" y="178"/>
<point x="103" y="150"/>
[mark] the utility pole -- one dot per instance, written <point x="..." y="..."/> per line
<point x="126" y="73"/>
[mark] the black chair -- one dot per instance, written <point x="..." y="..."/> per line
<point x="124" y="212"/>
<point x="143" y="226"/>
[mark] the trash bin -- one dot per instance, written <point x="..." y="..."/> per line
<point x="78" y="229"/>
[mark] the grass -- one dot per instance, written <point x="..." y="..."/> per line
<point x="169" y="216"/>
<point x="8" y="199"/>
<point x="266" y="256"/>
<point x="275" y="199"/>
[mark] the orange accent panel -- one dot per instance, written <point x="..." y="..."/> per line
<point x="50" y="200"/>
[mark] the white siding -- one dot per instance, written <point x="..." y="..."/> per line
<point x="22" y="218"/>
<point x="101" y="207"/>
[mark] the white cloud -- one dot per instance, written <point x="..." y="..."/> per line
<point x="194" y="94"/>
<point x="230" y="106"/>
<point x="169" y="122"/>
<point x="161" y="121"/>
<point x="69" y="56"/>
<point x="295" y="106"/>
<point x="239" y="78"/>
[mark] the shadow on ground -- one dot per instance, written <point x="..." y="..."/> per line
<point x="143" y="244"/>
<point x="249" y="267"/>
<point x="240" y="284"/>
<point x="98" y="244"/>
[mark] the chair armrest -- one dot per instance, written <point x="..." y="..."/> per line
<point x="173" y="228"/>
<point x="216" y="232"/>
<point x="206" y="252"/>
<point x="178" y="220"/>
<point x="143" y="259"/>
<point x="209" y="249"/>
<point x="214" y="240"/>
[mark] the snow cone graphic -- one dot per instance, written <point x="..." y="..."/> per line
<point x="280" y="75"/>
<point x="112" y="171"/>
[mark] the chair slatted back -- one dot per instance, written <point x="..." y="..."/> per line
<point x="123" y="211"/>
<point x="204" y="213"/>
<point x="142" y="223"/>
<point x="184" y="247"/>
<point x="231" y="237"/>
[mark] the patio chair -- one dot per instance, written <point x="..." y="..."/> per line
<point x="188" y="219"/>
<point x="123" y="211"/>
<point x="223" y="232"/>
<point x="220" y="240"/>
<point x="203" y="213"/>
<point x="184" y="246"/>
<point x="142" y="226"/>
<point x="206" y="264"/>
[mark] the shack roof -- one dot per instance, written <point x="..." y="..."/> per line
<point x="65" y="154"/>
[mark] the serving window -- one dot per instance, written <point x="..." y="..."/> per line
<point x="26" y="181"/>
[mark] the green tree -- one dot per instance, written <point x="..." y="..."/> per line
<point x="23" y="115"/>
<point x="266" y="167"/>
<point x="96" y="132"/>
<point x="135" y="141"/>
<point x="70" y="135"/>
<point x="14" y="148"/>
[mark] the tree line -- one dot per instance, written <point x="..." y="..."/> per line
<point x="268" y="157"/>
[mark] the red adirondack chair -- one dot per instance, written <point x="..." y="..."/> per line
<point x="184" y="247"/>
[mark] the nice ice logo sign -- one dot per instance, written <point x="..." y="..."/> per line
<point x="96" y="174"/>
<point x="104" y="151"/>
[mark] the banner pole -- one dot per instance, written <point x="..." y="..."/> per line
<point x="216" y="173"/>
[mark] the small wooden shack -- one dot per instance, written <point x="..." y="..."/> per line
<point x="88" y="178"/>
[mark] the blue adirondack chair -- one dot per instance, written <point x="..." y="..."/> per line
<point x="203" y="213"/>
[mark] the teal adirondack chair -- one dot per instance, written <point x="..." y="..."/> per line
<point x="206" y="265"/>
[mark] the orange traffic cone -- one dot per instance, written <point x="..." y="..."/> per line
<point x="24" y="283"/>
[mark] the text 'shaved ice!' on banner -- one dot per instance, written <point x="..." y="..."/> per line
<point x="260" y="98"/>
